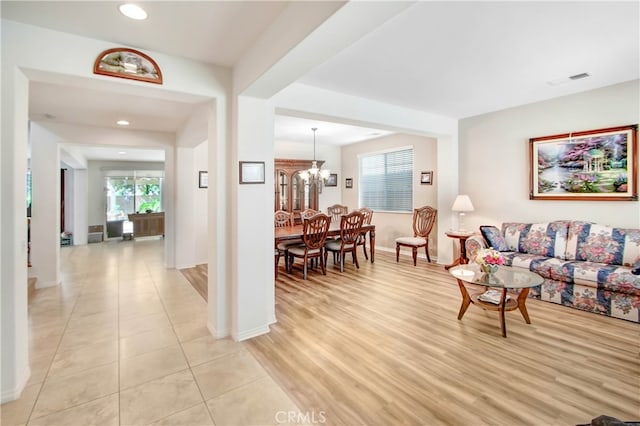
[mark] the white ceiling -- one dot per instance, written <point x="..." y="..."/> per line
<point x="456" y="59"/>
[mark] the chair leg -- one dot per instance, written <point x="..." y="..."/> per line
<point x="277" y="256"/>
<point x="355" y="257"/>
<point x="397" y="253"/>
<point x="304" y="268"/>
<point x="341" y="262"/>
<point x="364" y="249"/>
<point x="415" y="255"/>
<point x="426" y="250"/>
<point x="323" y="265"/>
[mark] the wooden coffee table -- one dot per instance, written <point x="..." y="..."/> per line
<point x="505" y="278"/>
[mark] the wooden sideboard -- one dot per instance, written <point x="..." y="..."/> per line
<point x="147" y="224"/>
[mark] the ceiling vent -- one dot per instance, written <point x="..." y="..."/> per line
<point x="579" y="76"/>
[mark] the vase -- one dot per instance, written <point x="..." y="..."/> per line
<point x="489" y="268"/>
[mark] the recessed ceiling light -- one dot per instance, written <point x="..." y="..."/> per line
<point x="132" y="11"/>
<point x="122" y="123"/>
<point x="122" y="152"/>
<point x="565" y="80"/>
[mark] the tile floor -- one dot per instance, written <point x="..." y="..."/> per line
<point x="123" y="341"/>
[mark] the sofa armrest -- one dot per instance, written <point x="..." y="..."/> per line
<point x="474" y="244"/>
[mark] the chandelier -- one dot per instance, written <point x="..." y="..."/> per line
<point x="314" y="173"/>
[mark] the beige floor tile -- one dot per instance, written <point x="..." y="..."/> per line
<point x="207" y="348"/>
<point x="74" y="361"/>
<point x="17" y="412"/>
<point x="94" y="320"/>
<point x="147" y="341"/>
<point x="158" y="399"/>
<point x="226" y="373"/>
<point x="269" y="405"/>
<point x="143" y="368"/>
<point x="192" y="329"/>
<point x="39" y="366"/>
<point x="198" y="415"/>
<point x="61" y="393"/>
<point x="44" y="347"/>
<point x="135" y="309"/>
<point x="138" y="324"/>
<point x="102" y="411"/>
<point x="82" y="337"/>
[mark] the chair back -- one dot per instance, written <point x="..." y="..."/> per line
<point x="367" y="214"/>
<point x="314" y="231"/>
<point x="350" y="227"/>
<point x="282" y="218"/>
<point x="423" y="220"/>
<point x="336" y="211"/>
<point x="307" y="213"/>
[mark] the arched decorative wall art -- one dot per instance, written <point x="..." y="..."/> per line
<point x="128" y="63"/>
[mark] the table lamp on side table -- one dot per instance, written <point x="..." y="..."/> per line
<point x="462" y="204"/>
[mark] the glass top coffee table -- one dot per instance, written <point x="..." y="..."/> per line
<point x="494" y="296"/>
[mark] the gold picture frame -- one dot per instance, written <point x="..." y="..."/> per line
<point x="593" y="165"/>
<point x="127" y="63"/>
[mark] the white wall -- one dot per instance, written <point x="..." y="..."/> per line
<point x="330" y="154"/>
<point x="390" y="226"/>
<point x="494" y="157"/>
<point x="200" y="206"/>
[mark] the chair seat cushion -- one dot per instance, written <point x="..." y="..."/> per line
<point x="299" y="251"/>
<point x="411" y="241"/>
<point x="334" y="245"/>
<point x="284" y="245"/>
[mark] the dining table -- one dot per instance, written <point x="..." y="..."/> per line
<point x="293" y="232"/>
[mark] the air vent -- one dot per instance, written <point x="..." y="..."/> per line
<point x="579" y="76"/>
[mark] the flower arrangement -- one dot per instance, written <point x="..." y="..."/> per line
<point x="489" y="259"/>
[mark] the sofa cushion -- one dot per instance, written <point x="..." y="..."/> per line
<point x="494" y="237"/>
<point x="612" y="278"/>
<point x="603" y="244"/>
<point x="545" y="239"/>
<point x="635" y="269"/>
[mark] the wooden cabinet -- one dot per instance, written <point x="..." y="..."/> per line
<point x="147" y="224"/>
<point x="292" y="193"/>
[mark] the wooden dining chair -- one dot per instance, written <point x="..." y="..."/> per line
<point x="366" y="220"/>
<point x="282" y="218"/>
<point x="307" y="213"/>
<point x="336" y="211"/>
<point x="350" y="229"/>
<point x="423" y="221"/>
<point x="314" y="235"/>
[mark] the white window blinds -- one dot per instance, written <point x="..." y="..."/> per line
<point x="386" y="181"/>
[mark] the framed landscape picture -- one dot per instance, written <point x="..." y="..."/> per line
<point x="332" y="180"/>
<point x="597" y="164"/>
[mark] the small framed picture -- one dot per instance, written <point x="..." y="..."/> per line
<point x="426" y="178"/>
<point x="251" y="172"/>
<point x="348" y="183"/>
<point x="332" y="180"/>
<point x="203" y="179"/>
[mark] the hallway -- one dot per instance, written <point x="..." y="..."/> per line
<point x="123" y="341"/>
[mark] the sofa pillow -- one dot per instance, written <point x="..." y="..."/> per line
<point x="494" y="237"/>
<point x="635" y="269"/>
<point x="603" y="244"/>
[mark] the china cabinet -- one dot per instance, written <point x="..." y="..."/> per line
<point x="292" y="193"/>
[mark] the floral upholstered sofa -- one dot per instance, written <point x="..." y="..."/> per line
<point x="587" y="266"/>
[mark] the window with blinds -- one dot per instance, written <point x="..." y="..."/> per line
<point x="386" y="180"/>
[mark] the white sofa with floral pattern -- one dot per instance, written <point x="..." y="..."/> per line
<point x="585" y="265"/>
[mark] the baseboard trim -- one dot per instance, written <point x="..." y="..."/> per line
<point x="14" y="394"/>
<point x="46" y="284"/>
<point x="249" y="334"/>
<point x="218" y="334"/>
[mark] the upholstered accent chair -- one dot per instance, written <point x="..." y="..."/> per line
<point x="350" y="229"/>
<point x="423" y="220"/>
<point x="314" y="236"/>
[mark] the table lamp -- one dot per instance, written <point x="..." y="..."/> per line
<point x="462" y="204"/>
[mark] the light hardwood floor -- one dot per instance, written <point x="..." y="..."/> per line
<point x="382" y="346"/>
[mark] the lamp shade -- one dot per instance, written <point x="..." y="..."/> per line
<point x="462" y="204"/>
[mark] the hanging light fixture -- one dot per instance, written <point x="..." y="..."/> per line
<point x="314" y="173"/>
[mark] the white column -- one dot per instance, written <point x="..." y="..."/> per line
<point x="14" y="356"/>
<point x="45" y="208"/>
<point x="252" y="222"/>
<point x="80" y="206"/>
<point x="186" y="186"/>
